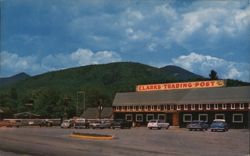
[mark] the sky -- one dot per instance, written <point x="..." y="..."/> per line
<point x="38" y="36"/>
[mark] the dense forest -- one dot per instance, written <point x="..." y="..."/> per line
<point x="66" y="92"/>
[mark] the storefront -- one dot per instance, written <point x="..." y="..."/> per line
<point x="180" y="106"/>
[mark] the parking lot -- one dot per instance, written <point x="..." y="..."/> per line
<point x="138" y="141"/>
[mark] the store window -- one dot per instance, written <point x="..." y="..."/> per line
<point x="139" y="118"/>
<point x="162" y="117"/>
<point x="128" y="117"/>
<point x="187" y="117"/>
<point x="149" y="117"/>
<point x="203" y="117"/>
<point x="237" y="118"/>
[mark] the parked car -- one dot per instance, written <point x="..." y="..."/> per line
<point x="219" y="125"/>
<point x="13" y="123"/>
<point x="197" y="125"/>
<point x="46" y="123"/>
<point x="81" y="123"/>
<point x="159" y="124"/>
<point x="121" y="123"/>
<point x="67" y="124"/>
<point x="100" y="124"/>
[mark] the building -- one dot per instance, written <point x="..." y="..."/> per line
<point x="179" y="107"/>
<point x="93" y="113"/>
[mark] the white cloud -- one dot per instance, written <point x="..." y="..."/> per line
<point x="211" y="21"/>
<point x="13" y="63"/>
<point x="202" y="64"/>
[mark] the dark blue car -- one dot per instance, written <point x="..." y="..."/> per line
<point x="219" y="126"/>
<point x="197" y="125"/>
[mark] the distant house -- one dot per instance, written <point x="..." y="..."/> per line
<point x="93" y="113"/>
<point x="26" y="115"/>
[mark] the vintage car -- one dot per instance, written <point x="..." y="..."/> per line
<point x="219" y="125"/>
<point x="158" y="124"/>
<point x="121" y="123"/>
<point x="100" y="124"/>
<point x="81" y="123"/>
<point x="197" y="125"/>
<point x="67" y="123"/>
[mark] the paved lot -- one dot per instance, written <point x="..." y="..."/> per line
<point x="127" y="142"/>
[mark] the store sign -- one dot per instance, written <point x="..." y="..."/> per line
<point x="180" y="85"/>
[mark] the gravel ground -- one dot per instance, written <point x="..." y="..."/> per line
<point x="127" y="142"/>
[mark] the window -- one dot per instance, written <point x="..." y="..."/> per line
<point x="128" y="108"/>
<point x="220" y="116"/>
<point x="215" y="106"/>
<point x="185" y="107"/>
<point x="224" y="106"/>
<point x="140" y="108"/>
<point x="208" y="106"/>
<point x="203" y="117"/>
<point x="178" y="107"/>
<point x="187" y="117"/>
<point x="123" y="108"/>
<point x="150" y="117"/>
<point x="232" y="106"/>
<point x="117" y="108"/>
<point x="192" y="107"/>
<point x="158" y="108"/>
<point x="146" y="108"/>
<point x="241" y="105"/>
<point x="151" y="107"/>
<point x="238" y="118"/>
<point x="165" y="107"/>
<point x="161" y="116"/>
<point x="139" y="118"/>
<point x="200" y="106"/>
<point x="134" y="108"/>
<point x="171" y="107"/>
<point x="128" y="117"/>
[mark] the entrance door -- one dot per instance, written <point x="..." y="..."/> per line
<point x="176" y="119"/>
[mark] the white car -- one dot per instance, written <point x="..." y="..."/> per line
<point x="67" y="124"/>
<point x="159" y="124"/>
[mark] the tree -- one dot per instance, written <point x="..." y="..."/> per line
<point x="213" y="75"/>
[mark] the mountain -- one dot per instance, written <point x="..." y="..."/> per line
<point x="72" y="89"/>
<point x="13" y="79"/>
<point x="180" y="73"/>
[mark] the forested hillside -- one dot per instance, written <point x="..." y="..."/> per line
<point x="53" y="93"/>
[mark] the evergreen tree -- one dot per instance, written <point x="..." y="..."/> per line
<point x="213" y="75"/>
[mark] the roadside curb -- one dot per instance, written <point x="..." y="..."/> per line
<point x="91" y="136"/>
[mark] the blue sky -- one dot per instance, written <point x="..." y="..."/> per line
<point x="38" y="36"/>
